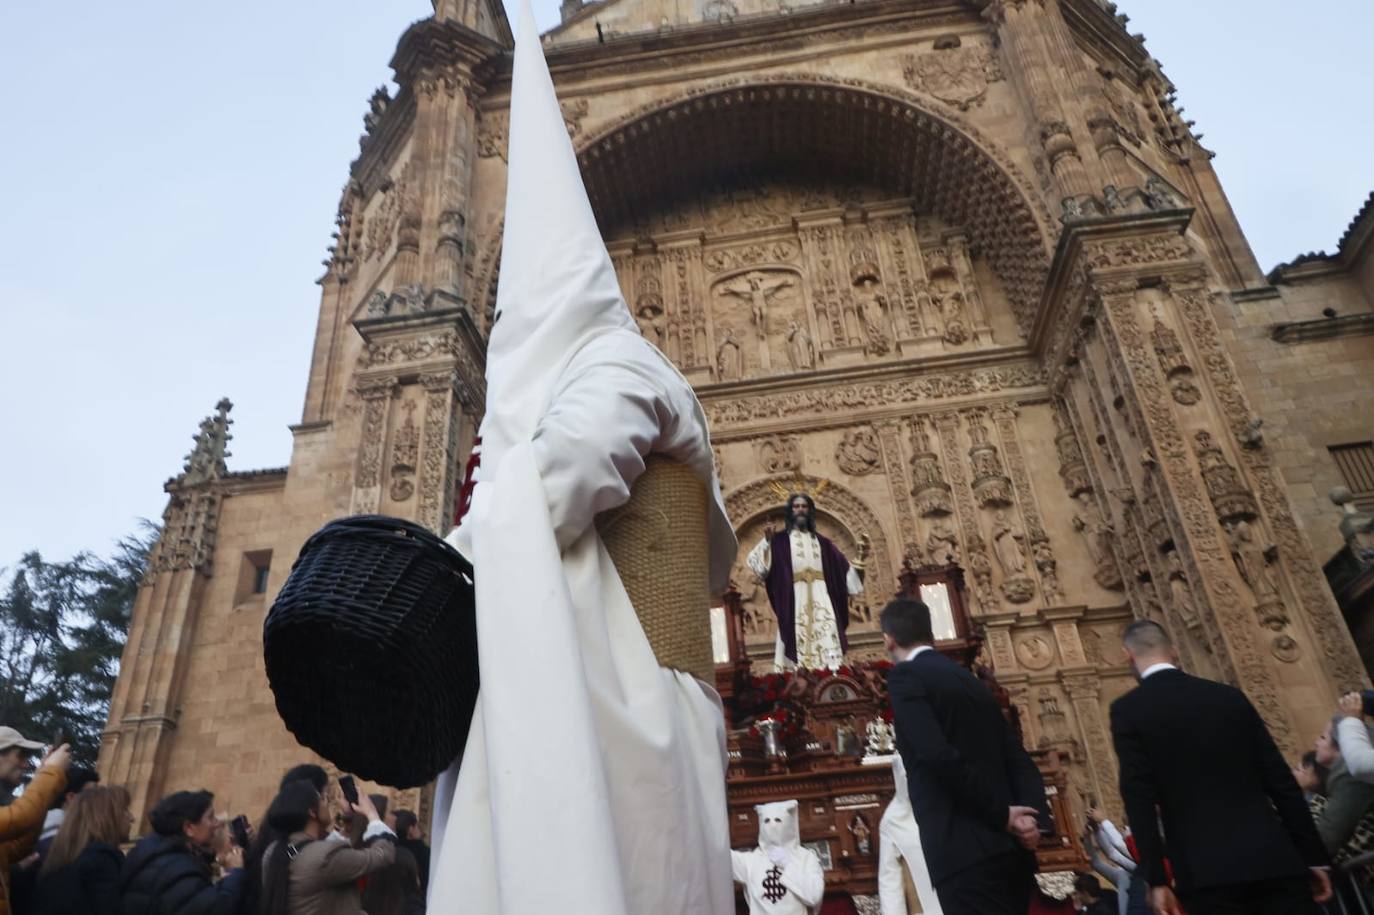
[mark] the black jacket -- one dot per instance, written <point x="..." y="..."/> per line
<point x="87" y="886"/>
<point x="164" y="876"/>
<point x="964" y="765"/>
<point x="421" y="852"/>
<point x="1199" y="753"/>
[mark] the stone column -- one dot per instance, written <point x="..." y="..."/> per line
<point x="376" y="394"/>
<point x="1119" y="282"/>
<point x="1025" y="32"/>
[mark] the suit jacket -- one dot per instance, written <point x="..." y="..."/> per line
<point x="1198" y="753"/>
<point x="964" y="765"/>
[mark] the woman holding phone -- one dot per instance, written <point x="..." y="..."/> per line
<point x="304" y="873"/>
<point x="80" y="875"/>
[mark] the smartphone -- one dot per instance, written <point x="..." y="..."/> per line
<point x="238" y="829"/>
<point x="349" y="789"/>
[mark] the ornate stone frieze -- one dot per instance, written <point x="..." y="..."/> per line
<point x="726" y="412"/>
<point x="1229" y="494"/>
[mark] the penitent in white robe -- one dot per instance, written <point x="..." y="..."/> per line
<point x="900" y="838"/>
<point x="781" y="876"/>
<point x="818" y="636"/>
<point x="593" y="780"/>
<point x="603" y="788"/>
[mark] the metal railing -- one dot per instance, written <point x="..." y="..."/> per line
<point x="1352" y="892"/>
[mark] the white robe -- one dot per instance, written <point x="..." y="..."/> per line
<point x="899" y="837"/>
<point x="801" y="882"/>
<point x="818" y="636"/>
<point x="781" y="876"/>
<point x="603" y="789"/>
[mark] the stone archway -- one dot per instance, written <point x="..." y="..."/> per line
<point x="804" y="125"/>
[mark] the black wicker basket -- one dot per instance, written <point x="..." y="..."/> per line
<point x="371" y="649"/>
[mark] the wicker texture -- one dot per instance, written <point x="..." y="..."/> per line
<point x="371" y="649"/>
<point x="660" y="544"/>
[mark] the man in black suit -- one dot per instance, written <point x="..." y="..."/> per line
<point x="977" y="795"/>
<point x="1195" y="755"/>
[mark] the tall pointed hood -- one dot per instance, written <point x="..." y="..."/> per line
<point x="557" y="285"/>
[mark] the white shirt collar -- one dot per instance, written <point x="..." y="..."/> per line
<point x="917" y="650"/>
<point x="1156" y="668"/>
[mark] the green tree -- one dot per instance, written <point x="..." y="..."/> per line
<point x="62" y="629"/>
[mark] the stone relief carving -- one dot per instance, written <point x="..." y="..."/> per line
<point x="1229" y="494"/>
<point x="929" y="488"/>
<point x="778" y="453"/>
<point x="991" y="486"/>
<point x="1175" y="364"/>
<point x="959" y="76"/>
<point x="726" y="412"/>
<point x="1309" y="584"/>
<point x="729" y="357"/>
<point x="1009" y="546"/>
<point x="1126" y="342"/>
<point x="405" y="449"/>
<point x="1097" y="536"/>
<point x="1035" y="652"/>
<point x="859" y="453"/>
<point x="801" y="350"/>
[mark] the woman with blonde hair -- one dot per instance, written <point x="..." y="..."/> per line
<point x="80" y="875"/>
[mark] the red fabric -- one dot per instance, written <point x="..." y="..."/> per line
<point x="839" y="904"/>
<point x="465" y="492"/>
<point x="1168" y="868"/>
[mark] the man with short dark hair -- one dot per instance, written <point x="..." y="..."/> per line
<point x="408" y="836"/>
<point x="1090" y="899"/>
<point x="395" y="889"/>
<point x="975" y="791"/>
<point x="1199" y="766"/>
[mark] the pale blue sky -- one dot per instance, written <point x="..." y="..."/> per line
<point x="172" y="171"/>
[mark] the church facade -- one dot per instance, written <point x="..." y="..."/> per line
<point x="959" y="270"/>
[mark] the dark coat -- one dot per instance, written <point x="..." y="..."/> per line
<point x="164" y="876"/>
<point x="87" y="886"/>
<point x="1199" y="754"/>
<point x="420" y="850"/>
<point x="965" y="767"/>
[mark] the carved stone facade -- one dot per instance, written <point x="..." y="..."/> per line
<point x="965" y="276"/>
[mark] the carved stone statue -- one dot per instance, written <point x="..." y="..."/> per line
<point x="1254" y="562"/>
<point x="729" y="357"/>
<point x="801" y="351"/>
<point x="650" y="321"/>
<point x="1008" y="545"/>
<point x="942" y="545"/>
<point x="758" y="289"/>
<point x="872" y="307"/>
<point x="1179" y="592"/>
<point x="1097" y="536"/>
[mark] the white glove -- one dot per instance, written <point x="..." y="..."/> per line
<point x="779" y="856"/>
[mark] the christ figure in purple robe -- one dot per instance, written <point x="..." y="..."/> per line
<point x="809" y="583"/>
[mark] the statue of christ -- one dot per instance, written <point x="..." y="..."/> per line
<point x="809" y="583"/>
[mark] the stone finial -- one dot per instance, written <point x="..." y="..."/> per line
<point x="1357" y="527"/>
<point x="206" y="460"/>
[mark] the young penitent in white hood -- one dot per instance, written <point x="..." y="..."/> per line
<point x="593" y="779"/>
<point x="780" y="877"/>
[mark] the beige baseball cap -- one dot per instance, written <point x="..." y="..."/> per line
<point x="10" y="738"/>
